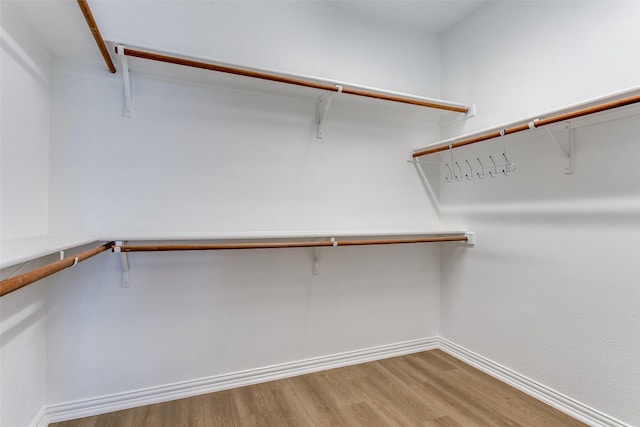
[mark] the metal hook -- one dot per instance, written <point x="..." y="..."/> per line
<point x="495" y="168"/>
<point x="449" y="176"/>
<point x="453" y="164"/>
<point x="470" y="174"/>
<point x="509" y="167"/>
<point x="481" y="167"/>
<point x="458" y="177"/>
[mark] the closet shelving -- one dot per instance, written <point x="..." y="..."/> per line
<point x="253" y="240"/>
<point x="619" y="104"/>
<point x="186" y="69"/>
<point x="321" y="89"/>
<point x="164" y="64"/>
<point x="235" y="236"/>
<point x="26" y="250"/>
<point x="23" y="250"/>
<point x="15" y="281"/>
<point x="314" y="86"/>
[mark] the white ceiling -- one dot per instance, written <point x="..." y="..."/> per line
<point x="60" y="27"/>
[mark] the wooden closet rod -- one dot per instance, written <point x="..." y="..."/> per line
<point x="534" y="124"/>
<point x="272" y="245"/>
<point x="289" y="80"/>
<point x="93" y="26"/>
<point x="15" y="283"/>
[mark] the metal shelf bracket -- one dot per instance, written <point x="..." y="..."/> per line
<point x="315" y="262"/>
<point x="471" y="112"/>
<point x="124" y="257"/>
<point x="316" y="256"/>
<point x="471" y="238"/>
<point x="127" y="79"/>
<point x="322" y="108"/>
<point x="566" y="147"/>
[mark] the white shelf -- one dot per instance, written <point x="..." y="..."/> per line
<point x="222" y="80"/>
<point x="587" y="120"/>
<point x="273" y="235"/>
<point x="16" y="251"/>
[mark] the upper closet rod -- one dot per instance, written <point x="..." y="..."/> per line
<point x="272" y="245"/>
<point x="533" y="124"/>
<point x="327" y="86"/>
<point x="15" y="283"/>
<point x="359" y="91"/>
<point x="93" y="26"/>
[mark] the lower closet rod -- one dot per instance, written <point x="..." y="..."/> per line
<point x="273" y="245"/>
<point x="15" y="283"/>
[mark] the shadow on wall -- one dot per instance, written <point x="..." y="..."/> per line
<point x="20" y="311"/>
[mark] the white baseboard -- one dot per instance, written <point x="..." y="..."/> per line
<point x="41" y="419"/>
<point x="534" y="389"/>
<point x="148" y="396"/>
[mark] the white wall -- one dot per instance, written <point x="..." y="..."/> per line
<point x="193" y="315"/>
<point x="244" y="153"/>
<point x="520" y="59"/>
<point x="24" y="141"/>
<point x="23" y="354"/>
<point x="551" y="288"/>
<point x="211" y="159"/>
<point x="24" y="177"/>
<point x="322" y="39"/>
<point x="197" y="158"/>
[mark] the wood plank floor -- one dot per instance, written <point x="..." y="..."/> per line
<point x="423" y="389"/>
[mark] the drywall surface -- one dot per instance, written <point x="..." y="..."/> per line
<point x="200" y="158"/>
<point x="238" y="154"/>
<point x="24" y="178"/>
<point x="550" y="290"/>
<point x="189" y="316"/>
<point x="214" y="157"/>
<point x="23" y="354"/>
<point x="24" y="139"/>
<point x="323" y="39"/>
<point x="520" y="59"/>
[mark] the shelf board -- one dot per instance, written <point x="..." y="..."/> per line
<point x="188" y="75"/>
<point x="274" y="235"/>
<point x="576" y="122"/>
<point x="16" y="251"/>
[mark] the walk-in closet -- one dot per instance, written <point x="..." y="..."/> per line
<point x="306" y="213"/>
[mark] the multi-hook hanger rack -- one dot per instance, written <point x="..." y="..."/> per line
<point x="491" y="169"/>
<point x="563" y="138"/>
<point x="467" y="172"/>
<point x="456" y="173"/>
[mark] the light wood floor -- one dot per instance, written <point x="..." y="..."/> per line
<point x="423" y="389"/>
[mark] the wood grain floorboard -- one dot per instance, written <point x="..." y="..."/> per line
<point x="429" y="389"/>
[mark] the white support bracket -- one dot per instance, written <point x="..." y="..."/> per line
<point x="124" y="257"/>
<point x="471" y="238"/>
<point x="471" y="112"/>
<point x="127" y="79"/>
<point x="567" y="153"/>
<point x="322" y="108"/>
<point x="316" y="255"/>
<point x="315" y="262"/>
<point x="18" y="270"/>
